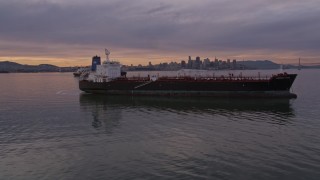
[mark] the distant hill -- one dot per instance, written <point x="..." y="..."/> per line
<point x="267" y="64"/>
<point x="7" y="66"/>
<point x="258" y="64"/>
<point x="15" y="67"/>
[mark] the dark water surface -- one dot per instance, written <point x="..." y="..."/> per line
<point x="50" y="130"/>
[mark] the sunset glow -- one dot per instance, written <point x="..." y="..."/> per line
<point x="137" y="32"/>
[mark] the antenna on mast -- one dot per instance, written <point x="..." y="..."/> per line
<point x="107" y="54"/>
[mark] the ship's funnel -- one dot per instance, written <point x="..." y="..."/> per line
<point x="96" y="60"/>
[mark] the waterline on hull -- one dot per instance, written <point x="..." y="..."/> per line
<point x="238" y="94"/>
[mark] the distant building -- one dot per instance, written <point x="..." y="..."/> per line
<point x="183" y="64"/>
<point x="206" y="63"/>
<point x="197" y="63"/>
<point x="216" y="63"/>
<point x="190" y="63"/>
<point x="234" y="64"/>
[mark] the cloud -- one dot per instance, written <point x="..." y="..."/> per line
<point x="175" y="26"/>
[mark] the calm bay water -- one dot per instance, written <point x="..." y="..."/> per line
<point x="50" y="130"/>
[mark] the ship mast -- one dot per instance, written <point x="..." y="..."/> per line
<point x="107" y="55"/>
<point x="299" y="66"/>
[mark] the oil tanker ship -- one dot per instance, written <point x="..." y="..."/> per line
<point x="107" y="78"/>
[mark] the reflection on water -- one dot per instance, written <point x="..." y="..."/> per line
<point x="107" y="109"/>
<point x="102" y="111"/>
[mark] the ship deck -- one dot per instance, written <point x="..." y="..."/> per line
<point x="202" y="78"/>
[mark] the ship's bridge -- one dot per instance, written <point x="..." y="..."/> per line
<point x="109" y="69"/>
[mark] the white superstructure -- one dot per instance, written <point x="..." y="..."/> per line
<point x="106" y="71"/>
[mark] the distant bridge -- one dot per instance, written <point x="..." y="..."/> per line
<point x="306" y="64"/>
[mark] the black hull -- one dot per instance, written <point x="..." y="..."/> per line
<point x="274" y="87"/>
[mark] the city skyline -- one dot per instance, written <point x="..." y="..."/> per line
<point x="136" y="32"/>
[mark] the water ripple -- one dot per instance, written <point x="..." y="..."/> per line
<point x="49" y="130"/>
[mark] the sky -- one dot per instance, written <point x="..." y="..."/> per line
<point x="70" y="32"/>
